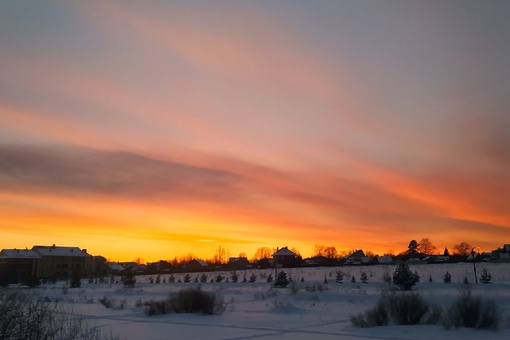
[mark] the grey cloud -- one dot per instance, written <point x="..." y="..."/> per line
<point x="80" y="170"/>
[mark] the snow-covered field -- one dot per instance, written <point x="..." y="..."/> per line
<point x="310" y="309"/>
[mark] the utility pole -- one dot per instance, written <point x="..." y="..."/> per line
<point x="474" y="265"/>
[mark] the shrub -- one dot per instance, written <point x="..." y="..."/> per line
<point x="364" y="277"/>
<point x="187" y="278"/>
<point x="339" y="277"/>
<point x="269" y="278"/>
<point x="404" y="277"/>
<point x="235" y="278"/>
<point x="253" y="277"/>
<point x="129" y="281"/>
<point x="472" y="312"/>
<point x="486" y="276"/>
<point x="107" y="302"/>
<point x="281" y="281"/>
<point x="353" y="279"/>
<point x="26" y="316"/>
<point x="406" y="308"/>
<point x="219" y="278"/>
<point x="76" y="280"/>
<point x="203" y="278"/>
<point x="190" y="300"/>
<point x="447" y="278"/>
<point x="402" y="308"/>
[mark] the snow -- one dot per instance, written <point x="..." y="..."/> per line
<point x="309" y="310"/>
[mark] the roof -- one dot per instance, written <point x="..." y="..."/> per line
<point x="60" y="251"/>
<point x="284" y="252"/>
<point x="356" y="253"/>
<point x="19" y="254"/>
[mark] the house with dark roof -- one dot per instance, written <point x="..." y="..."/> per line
<point x="357" y="257"/>
<point x="18" y="266"/>
<point x="284" y="257"/>
<point x="62" y="262"/>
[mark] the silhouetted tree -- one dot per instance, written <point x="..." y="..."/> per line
<point x="462" y="248"/>
<point x="220" y="256"/>
<point x="404" y="277"/>
<point x="412" y="248"/>
<point x="447" y="278"/>
<point x="262" y="253"/>
<point x="281" y="281"/>
<point x="329" y="252"/>
<point x="76" y="280"/>
<point x="486" y="276"/>
<point x="426" y="246"/>
<point x="129" y="280"/>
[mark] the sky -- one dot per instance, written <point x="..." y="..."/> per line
<point x="160" y="128"/>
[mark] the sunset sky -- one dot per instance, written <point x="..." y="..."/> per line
<point x="155" y="129"/>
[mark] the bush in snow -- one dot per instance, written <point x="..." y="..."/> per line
<point x="281" y="281"/>
<point x="398" y="308"/>
<point x="404" y="277"/>
<point x="26" y="316"/>
<point x="190" y="300"/>
<point x="364" y="277"/>
<point x="76" y="280"/>
<point x="447" y="278"/>
<point x="486" y="276"/>
<point x="129" y="281"/>
<point x="339" y="277"/>
<point x="472" y="312"/>
<point x="253" y="277"/>
<point x="107" y="302"/>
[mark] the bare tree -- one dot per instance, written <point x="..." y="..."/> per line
<point x="220" y="256"/>
<point x="462" y="248"/>
<point x="262" y="253"/>
<point x="426" y="246"/>
<point x="330" y="252"/>
<point x="318" y="250"/>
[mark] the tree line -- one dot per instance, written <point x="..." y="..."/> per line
<point x="424" y="246"/>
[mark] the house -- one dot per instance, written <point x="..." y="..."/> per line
<point x="386" y="259"/>
<point x="321" y="261"/>
<point x="196" y="265"/>
<point x="437" y="259"/>
<point x="62" y="262"/>
<point x="115" y="267"/>
<point x="285" y="258"/>
<point x="132" y="268"/>
<point x="357" y="257"/>
<point x="18" y="266"/>
<point x="238" y="263"/>
<point x="501" y="254"/>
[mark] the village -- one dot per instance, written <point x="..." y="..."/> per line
<point x="51" y="263"/>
